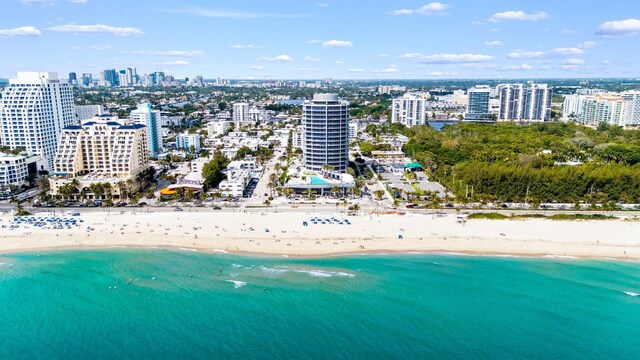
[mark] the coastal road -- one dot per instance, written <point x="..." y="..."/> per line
<point x="299" y="208"/>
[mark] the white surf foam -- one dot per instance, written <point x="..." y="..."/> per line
<point x="630" y="293"/>
<point x="324" y="273"/>
<point x="273" y="270"/>
<point x="236" y="283"/>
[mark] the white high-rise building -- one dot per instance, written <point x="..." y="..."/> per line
<point x="325" y="124"/>
<point x="572" y="107"/>
<point x="151" y="119"/>
<point x="101" y="151"/>
<point x="86" y="112"/>
<point x="241" y="114"/>
<point x="525" y="103"/>
<point x="102" y="148"/>
<point x="622" y="109"/>
<point x="188" y="141"/>
<point x="607" y="108"/>
<point x="34" y="109"/>
<point x="632" y="99"/>
<point x="410" y="109"/>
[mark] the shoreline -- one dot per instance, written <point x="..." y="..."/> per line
<point x="246" y="234"/>
<point x="445" y="253"/>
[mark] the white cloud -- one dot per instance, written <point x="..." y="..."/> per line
<point x="517" y="67"/>
<point x="389" y="70"/>
<point x="322" y="4"/>
<point x="257" y="67"/>
<point x="448" y="58"/>
<point x="175" y="63"/>
<point x="311" y="59"/>
<point x="302" y="69"/>
<point x="574" y="62"/>
<point x="338" y="62"/>
<point x="337" y="44"/>
<point x="558" y="52"/>
<point x="424" y="10"/>
<point x="518" y="16"/>
<point x="440" y="73"/>
<point x="315" y="41"/>
<point x="281" y="58"/>
<point x="77" y="1"/>
<point x="521" y="54"/>
<point x="101" y="47"/>
<point x="494" y="43"/>
<point x="357" y="71"/>
<point x="180" y="53"/>
<point x="98" y="28"/>
<point x="384" y="55"/>
<point x="587" y="44"/>
<point x="20" y="31"/>
<point x="617" y="28"/>
<point x="566" y="51"/>
<point x="240" y="46"/>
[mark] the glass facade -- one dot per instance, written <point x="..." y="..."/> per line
<point x="326" y="133"/>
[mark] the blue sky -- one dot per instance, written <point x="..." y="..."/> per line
<point x="308" y="39"/>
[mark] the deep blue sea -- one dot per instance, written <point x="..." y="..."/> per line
<point x="160" y="304"/>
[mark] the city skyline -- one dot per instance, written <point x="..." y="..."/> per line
<point x="277" y="40"/>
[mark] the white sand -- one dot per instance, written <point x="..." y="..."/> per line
<point x="219" y="231"/>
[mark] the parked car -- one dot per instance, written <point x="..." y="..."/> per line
<point x="121" y="203"/>
<point x="177" y="209"/>
<point x="217" y="208"/>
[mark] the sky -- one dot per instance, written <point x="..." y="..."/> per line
<point x="314" y="39"/>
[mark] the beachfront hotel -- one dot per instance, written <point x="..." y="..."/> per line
<point x="325" y="124"/>
<point x="34" y="109"/>
<point x="101" y="150"/>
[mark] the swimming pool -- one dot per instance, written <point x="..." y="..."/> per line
<point x="318" y="181"/>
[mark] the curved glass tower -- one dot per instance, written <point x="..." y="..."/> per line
<point x="325" y="123"/>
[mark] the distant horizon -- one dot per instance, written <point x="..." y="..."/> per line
<point x="205" y="79"/>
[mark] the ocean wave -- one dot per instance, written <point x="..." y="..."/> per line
<point x="187" y="249"/>
<point x="324" y="273"/>
<point x="237" y="284"/>
<point x="236" y="266"/>
<point x="631" y="293"/>
<point x="219" y="251"/>
<point x="559" y="257"/>
<point x="269" y="270"/>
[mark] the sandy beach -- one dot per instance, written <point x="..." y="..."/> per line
<point x="287" y="235"/>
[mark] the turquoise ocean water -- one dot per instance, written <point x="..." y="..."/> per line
<point x="125" y="303"/>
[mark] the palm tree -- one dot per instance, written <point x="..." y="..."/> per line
<point x="288" y="192"/>
<point x="188" y="194"/>
<point x="271" y="186"/>
<point x="97" y="190"/>
<point x="121" y="186"/>
<point x="334" y="190"/>
<point x="108" y="189"/>
<point x="66" y="190"/>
